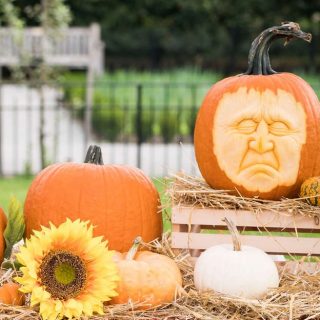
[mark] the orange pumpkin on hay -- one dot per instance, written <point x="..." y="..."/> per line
<point x="147" y="278"/>
<point x="258" y="132"/>
<point x="120" y="201"/>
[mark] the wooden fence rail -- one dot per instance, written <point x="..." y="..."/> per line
<point x="72" y="47"/>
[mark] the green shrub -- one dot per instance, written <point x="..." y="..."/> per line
<point x="74" y="95"/>
<point x="147" y="125"/>
<point x="168" y="125"/>
<point x="107" y="123"/>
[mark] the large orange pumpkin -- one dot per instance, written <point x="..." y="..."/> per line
<point x="258" y="132"/>
<point x="120" y="201"/>
<point x="146" y="277"/>
<point x="3" y="224"/>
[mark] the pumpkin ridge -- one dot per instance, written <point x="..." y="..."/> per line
<point x="309" y="100"/>
<point x="316" y="130"/>
<point x="106" y="198"/>
<point x="124" y="230"/>
<point x="127" y="207"/>
<point x="149" y="277"/>
<point x="48" y="173"/>
<point x="112" y="174"/>
<point x="306" y="106"/>
<point x="83" y="172"/>
<point x="140" y="196"/>
<point x="314" y="127"/>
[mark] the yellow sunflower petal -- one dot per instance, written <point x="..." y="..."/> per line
<point x="28" y="283"/>
<point x="73" y="308"/>
<point x="87" y="308"/>
<point x="70" y="240"/>
<point x="39" y="295"/>
<point x="48" y="312"/>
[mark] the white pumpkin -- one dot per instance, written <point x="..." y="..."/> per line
<point x="241" y="271"/>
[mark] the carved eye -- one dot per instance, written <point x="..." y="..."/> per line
<point x="279" y="128"/>
<point x="246" y="126"/>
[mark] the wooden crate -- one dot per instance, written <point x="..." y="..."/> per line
<point x="300" y="235"/>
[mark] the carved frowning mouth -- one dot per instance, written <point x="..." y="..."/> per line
<point x="260" y="170"/>
<point x="259" y="164"/>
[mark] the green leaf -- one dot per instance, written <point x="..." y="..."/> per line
<point x="9" y="264"/>
<point x="15" y="226"/>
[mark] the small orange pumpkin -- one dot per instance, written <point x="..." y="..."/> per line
<point x="10" y="294"/>
<point x="146" y="277"/>
<point x="3" y="224"/>
<point x="120" y="201"/>
<point x="258" y="132"/>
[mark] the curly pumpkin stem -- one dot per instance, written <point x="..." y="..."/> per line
<point x="234" y="233"/>
<point x="94" y="155"/>
<point x="133" y="250"/>
<point x="258" y="60"/>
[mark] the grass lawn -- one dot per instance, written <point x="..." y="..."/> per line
<point x="18" y="187"/>
<point x="161" y="88"/>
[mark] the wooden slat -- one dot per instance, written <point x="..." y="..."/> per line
<point x="286" y="266"/>
<point x="275" y="245"/>
<point x="242" y="218"/>
<point x="74" y="47"/>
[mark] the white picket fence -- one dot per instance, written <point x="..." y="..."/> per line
<point x="65" y="138"/>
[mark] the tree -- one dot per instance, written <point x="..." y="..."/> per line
<point x="209" y="33"/>
<point x="53" y="16"/>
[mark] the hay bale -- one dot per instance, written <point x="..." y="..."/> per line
<point x="186" y="190"/>
<point x="297" y="297"/>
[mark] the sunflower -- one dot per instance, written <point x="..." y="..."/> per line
<point x="68" y="272"/>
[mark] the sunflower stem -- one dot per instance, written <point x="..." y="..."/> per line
<point x="133" y="250"/>
<point x="234" y="233"/>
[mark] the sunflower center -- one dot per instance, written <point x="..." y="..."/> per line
<point x="63" y="274"/>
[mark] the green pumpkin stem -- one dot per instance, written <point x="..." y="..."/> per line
<point x="133" y="250"/>
<point x="258" y="60"/>
<point x="94" y="155"/>
<point x="234" y="233"/>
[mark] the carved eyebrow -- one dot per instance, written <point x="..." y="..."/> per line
<point x="245" y="115"/>
<point x="281" y="116"/>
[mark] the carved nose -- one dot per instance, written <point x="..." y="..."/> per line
<point x="261" y="142"/>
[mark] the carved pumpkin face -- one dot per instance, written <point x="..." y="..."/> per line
<point x="254" y="135"/>
<point x="259" y="134"/>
